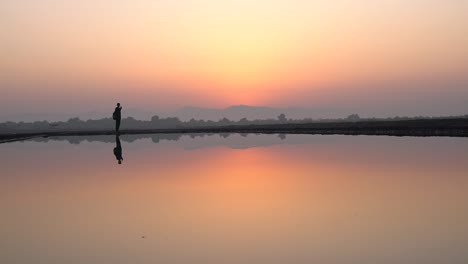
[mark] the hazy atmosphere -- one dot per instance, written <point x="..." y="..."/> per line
<point x="376" y="58"/>
<point x="233" y="131"/>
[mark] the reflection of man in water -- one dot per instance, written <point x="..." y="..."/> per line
<point x="118" y="150"/>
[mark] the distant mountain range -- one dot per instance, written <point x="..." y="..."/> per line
<point x="236" y="112"/>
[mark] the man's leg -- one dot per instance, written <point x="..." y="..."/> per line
<point x="117" y="125"/>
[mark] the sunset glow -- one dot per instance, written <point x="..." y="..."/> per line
<point x="166" y="54"/>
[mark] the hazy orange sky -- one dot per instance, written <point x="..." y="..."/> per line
<point x="376" y="58"/>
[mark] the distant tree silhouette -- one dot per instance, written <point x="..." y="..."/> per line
<point x="156" y="122"/>
<point x="243" y="121"/>
<point x="155" y="119"/>
<point x="224" y="122"/>
<point x="282" y="118"/>
<point x="353" y="117"/>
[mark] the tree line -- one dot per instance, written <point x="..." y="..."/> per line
<point x="173" y="122"/>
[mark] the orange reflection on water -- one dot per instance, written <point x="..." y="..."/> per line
<point x="332" y="199"/>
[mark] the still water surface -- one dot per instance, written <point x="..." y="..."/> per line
<point x="234" y="199"/>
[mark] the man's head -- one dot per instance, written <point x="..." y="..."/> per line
<point x="118" y="104"/>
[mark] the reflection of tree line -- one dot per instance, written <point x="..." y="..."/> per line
<point x="157" y="138"/>
<point x="110" y="139"/>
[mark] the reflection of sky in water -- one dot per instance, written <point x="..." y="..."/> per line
<point x="253" y="199"/>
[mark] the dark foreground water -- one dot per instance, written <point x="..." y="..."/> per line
<point x="235" y="199"/>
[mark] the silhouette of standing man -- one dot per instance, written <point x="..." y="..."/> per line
<point x="117" y="117"/>
<point x="118" y="150"/>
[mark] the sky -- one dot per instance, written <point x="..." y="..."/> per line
<point x="375" y="58"/>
